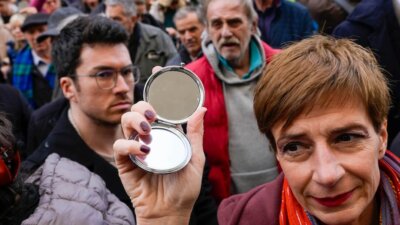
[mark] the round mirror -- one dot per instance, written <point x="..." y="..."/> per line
<point x="169" y="151"/>
<point x="175" y="93"/>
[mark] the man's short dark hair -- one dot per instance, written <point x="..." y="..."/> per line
<point x="66" y="48"/>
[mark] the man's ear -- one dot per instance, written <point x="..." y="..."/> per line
<point x="68" y="87"/>
<point x="383" y="137"/>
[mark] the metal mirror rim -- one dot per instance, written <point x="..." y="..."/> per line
<point x="181" y="69"/>
<point x="180" y="135"/>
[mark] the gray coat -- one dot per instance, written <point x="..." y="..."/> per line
<point x="71" y="194"/>
<point x="155" y="49"/>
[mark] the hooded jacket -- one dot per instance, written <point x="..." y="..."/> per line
<point x="216" y="125"/>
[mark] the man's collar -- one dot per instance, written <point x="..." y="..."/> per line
<point x="37" y="59"/>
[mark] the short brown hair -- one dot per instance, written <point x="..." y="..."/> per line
<point x="315" y="71"/>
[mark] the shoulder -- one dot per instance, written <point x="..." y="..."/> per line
<point x="260" y="205"/>
<point x="8" y="90"/>
<point x="269" y="51"/>
<point x="151" y="31"/>
<point x="293" y="7"/>
<point x="202" y="68"/>
<point x="50" y="110"/>
<point x="13" y="103"/>
<point x="199" y="65"/>
<point x="59" y="181"/>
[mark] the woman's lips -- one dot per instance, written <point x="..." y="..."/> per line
<point x="334" y="201"/>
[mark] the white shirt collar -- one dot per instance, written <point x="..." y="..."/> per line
<point x="37" y="59"/>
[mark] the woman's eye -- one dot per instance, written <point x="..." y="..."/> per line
<point x="291" y="147"/>
<point x="347" y="137"/>
<point x="344" y="137"/>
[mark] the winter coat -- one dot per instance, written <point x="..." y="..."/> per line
<point x="71" y="194"/>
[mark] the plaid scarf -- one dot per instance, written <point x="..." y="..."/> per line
<point x="22" y="74"/>
<point x="389" y="193"/>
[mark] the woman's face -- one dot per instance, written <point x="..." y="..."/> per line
<point x="330" y="159"/>
<point x="16" y="30"/>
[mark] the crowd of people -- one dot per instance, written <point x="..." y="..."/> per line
<point x="300" y="122"/>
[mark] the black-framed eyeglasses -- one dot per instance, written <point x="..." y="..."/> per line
<point x="107" y="78"/>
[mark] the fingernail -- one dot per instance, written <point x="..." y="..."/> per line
<point x="145" y="149"/>
<point x="149" y="114"/>
<point x="145" y="127"/>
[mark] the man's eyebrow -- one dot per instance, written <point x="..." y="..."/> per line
<point x="103" y="67"/>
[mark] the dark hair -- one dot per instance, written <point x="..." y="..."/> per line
<point x="84" y="30"/>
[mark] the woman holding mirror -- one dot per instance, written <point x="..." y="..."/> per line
<point x="323" y="104"/>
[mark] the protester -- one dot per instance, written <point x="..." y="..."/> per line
<point x="164" y="11"/>
<point x="16" y="109"/>
<point x="323" y="104"/>
<point x="329" y="13"/>
<point x="374" y="24"/>
<point x="7" y="9"/>
<point x="17" y="201"/>
<point x="88" y="6"/>
<point x="19" y="40"/>
<point x="233" y="60"/>
<point x="33" y="74"/>
<point x="97" y="77"/>
<point x="148" y="46"/>
<point x="43" y="6"/>
<point x="190" y="26"/>
<point x="144" y="16"/>
<point x="282" y="22"/>
<point x="5" y="37"/>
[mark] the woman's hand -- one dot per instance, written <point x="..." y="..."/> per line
<point x="159" y="198"/>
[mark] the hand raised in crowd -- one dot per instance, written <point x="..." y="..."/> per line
<point x="159" y="198"/>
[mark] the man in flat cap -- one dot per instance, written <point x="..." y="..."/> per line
<point x="33" y="73"/>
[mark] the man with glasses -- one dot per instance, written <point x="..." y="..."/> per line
<point x="98" y="80"/>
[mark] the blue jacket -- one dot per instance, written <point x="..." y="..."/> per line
<point x="291" y="22"/>
<point x="373" y="24"/>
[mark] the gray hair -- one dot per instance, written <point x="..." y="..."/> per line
<point x="184" y="11"/>
<point x="247" y="5"/>
<point x="129" y="6"/>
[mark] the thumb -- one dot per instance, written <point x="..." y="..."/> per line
<point x="195" y="130"/>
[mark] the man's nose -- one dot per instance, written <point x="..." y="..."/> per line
<point x="187" y="35"/>
<point x="121" y="84"/>
<point x="225" y="30"/>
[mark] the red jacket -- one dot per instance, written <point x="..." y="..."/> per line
<point x="216" y="125"/>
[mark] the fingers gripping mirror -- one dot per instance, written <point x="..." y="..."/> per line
<point x="175" y="93"/>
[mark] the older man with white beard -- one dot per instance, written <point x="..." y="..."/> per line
<point x="233" y="60"/>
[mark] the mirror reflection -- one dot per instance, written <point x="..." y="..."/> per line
<point x="168" y="151"/>
<point x="174" y="95"/>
